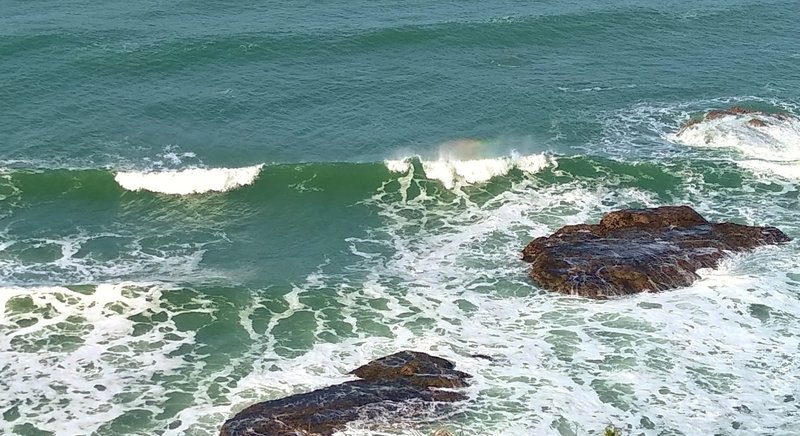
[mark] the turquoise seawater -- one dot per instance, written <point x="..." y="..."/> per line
<point x="208" y="204"/>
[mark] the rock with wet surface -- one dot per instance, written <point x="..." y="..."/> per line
<point x="638" y="250"/>
<point x="757" y="118"/>
<point x="400" y="385"/>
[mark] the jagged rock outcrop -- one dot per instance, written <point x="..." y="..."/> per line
<point x="404" y="383"/>
<point x="638" y="250"/>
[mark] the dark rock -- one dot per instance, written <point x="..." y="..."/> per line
<point x="403" y="383"/>
<point x="483" y="356"/>
<point x="737" y="111"/>
<point x="417" y="367"/>
<point x="690" y="123"/>
<point x="638" y="250"/>
<point x="734" y="110"/>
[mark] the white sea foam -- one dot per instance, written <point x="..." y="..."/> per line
<point x="765" y="168"/>
<point x="648" y="131"/>
<point x="771" y="149"/>
<point x="452" y="172"/>
<point x="399" y="165"/>
<point x="778" y="140"/>
<point x="189" y="181"/>
<point x="444" y="277"/>
<point x="706" y="359"/>
<point x="97" y="369"/>
<point x="79" y="258"/>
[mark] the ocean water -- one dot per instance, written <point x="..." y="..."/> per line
<point x="208" y="204"/>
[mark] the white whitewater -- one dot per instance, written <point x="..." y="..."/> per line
<point x="689" y="361"/>
<point x="189" y="181"/>
<point x="771" y="148"/>
<point x="453" y="172"/>
<point x="107" y="363"/>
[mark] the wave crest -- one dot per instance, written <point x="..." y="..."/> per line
<point x="189" y="181"/>
<point x="454" y="172"/>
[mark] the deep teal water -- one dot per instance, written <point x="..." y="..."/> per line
<point x="409" y="151"/>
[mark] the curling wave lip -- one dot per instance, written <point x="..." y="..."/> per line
<point x="189" y="181"/>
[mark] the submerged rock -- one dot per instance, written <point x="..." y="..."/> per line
<point x="734" y="110"/>
<point x="403" y="383"/>
<point x="757" y="118"/>
<point x="757" y="122"/>
<point x="637" y="250"/>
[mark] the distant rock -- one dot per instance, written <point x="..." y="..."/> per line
<point x="759" y="118"/>
<point x="402" y="384"/>
<point x="734" y="110"/>
<point x="638" y="250"/>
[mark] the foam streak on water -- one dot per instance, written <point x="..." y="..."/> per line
<point x="65" y="260"/>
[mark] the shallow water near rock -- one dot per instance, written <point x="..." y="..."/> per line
<point x="207" y="206"/>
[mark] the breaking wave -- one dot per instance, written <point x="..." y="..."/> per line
<point x="453" y="173"/>
<point x="769" y="143"/>
<point x="189" y="181"/>
<point x="31" y="185"/>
